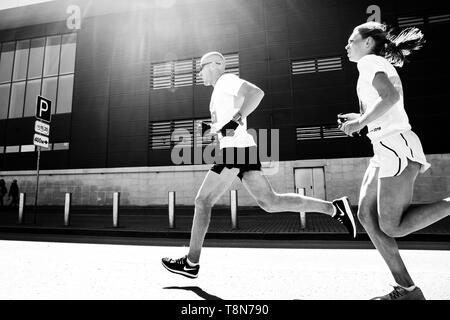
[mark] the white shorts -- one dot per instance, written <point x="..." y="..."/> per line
<point x="391" y="154"/>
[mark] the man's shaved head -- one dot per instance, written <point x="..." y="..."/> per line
<point x="212" y="67"/>
<point x="213" y="56"/>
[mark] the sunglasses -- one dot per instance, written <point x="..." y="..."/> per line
<point x="204" y="65"/>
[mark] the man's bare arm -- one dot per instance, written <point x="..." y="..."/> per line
<point x="252" y="98"/>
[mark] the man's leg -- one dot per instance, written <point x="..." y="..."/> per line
<point x="213" y="187"/>
<point x="397" y="218"/>
<point x="259" y="187"/>
<point x="368" y="216"/>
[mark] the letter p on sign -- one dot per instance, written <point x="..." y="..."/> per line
<point x="44" y="109"/>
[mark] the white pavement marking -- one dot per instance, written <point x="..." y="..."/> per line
<point x="61" y="271"/>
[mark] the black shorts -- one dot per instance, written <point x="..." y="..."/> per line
<point x="244" y="159"/>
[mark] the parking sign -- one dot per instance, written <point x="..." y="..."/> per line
<point x="44" y="109"/>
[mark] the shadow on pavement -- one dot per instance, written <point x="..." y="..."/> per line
<point x="199" y="291"/>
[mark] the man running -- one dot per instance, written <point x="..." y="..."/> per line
<point x="232" y="101"/>
<point x="387" y="187"/>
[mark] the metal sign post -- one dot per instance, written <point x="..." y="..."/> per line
<point x="41" y="140"/>
<point x="37" y="184"/>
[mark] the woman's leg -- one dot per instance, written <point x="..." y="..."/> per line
<point x="368" y="216"/>
<point x="397" y="218"/>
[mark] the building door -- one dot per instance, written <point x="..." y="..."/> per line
<point x="312" y="180"/>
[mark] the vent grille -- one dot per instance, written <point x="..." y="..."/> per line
<point x="329" y="64"/>
<point x="162" y="75"/>
<point x="159" y="134"/>
<point x="439" y="19"/>
<point x="416" y="21"/>
<point x="166" y="134"/>
<point x="302" y="67"/>
<point x="232" y="63"/>
<point x="316" y="65"/>
<point x="184" y="73"/>
<point x="319" y="132"/>
<point x="309" y="133"/>
<point x="410" y="21"/>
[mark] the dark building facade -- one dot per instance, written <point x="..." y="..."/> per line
<point x="292" y="49"/>
<point x="123" y="75"/>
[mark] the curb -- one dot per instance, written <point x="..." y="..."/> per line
<point x="331" y="236"/>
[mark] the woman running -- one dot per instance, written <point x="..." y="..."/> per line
<point x="385" y="209"/>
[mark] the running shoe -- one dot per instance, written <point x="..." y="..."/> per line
<point x="180" y="266"/>
<point x="400" y="293"/>
<point x="344" y="215"/>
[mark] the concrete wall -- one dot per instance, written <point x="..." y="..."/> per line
<point x="150" y="185"/>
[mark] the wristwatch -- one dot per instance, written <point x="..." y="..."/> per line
<point x="238" y="118"/>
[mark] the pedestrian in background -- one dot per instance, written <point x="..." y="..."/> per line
<point x="14" y="194"/>
<point x="3" y="191"/>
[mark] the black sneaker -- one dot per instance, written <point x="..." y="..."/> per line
<point x="344" y="215"/>
<point x="180" y="266"/>
<point x="400" y="293"/>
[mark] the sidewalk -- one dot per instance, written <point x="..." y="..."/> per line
<point x="253" y="223"/>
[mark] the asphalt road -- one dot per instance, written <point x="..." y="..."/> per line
<point x="97" y="269"/>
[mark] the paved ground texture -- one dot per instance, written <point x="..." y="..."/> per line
<point x="251" y="221"/>
<point x="62" y="271"/>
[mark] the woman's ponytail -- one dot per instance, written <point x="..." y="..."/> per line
<point x="399" y="47"/>
<point x="395" y="48"/>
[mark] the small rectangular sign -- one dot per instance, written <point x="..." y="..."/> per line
<point x="40" y="141"/>
<point x="42" y="128"/>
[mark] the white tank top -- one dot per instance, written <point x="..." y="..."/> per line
<point x="223" y="106"/>
<point x="393" y="121"/>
